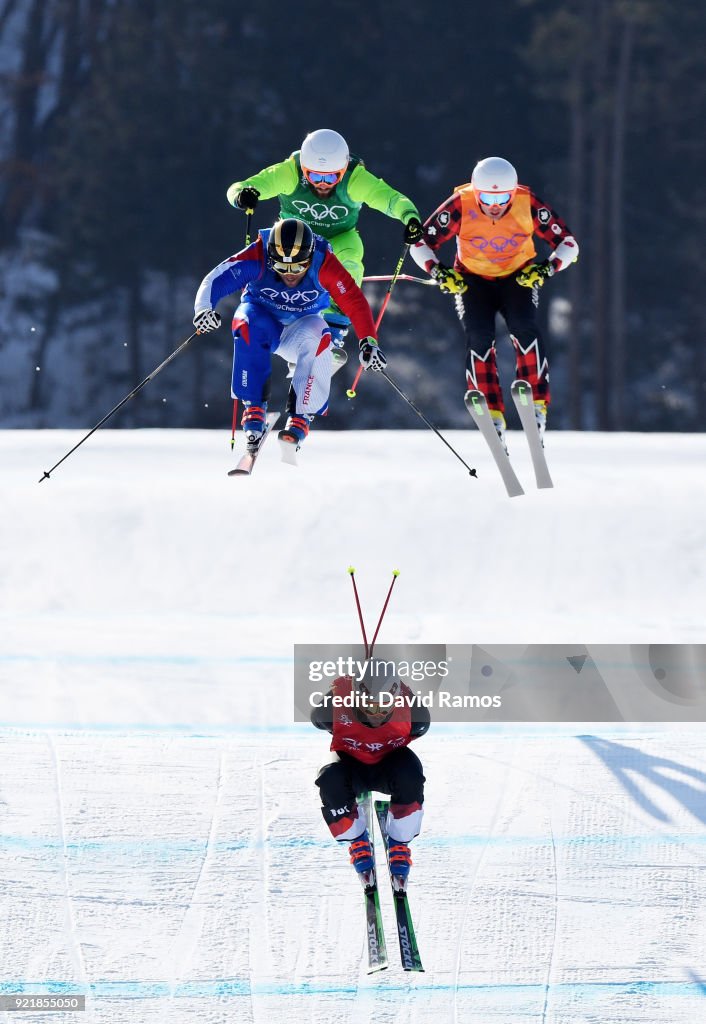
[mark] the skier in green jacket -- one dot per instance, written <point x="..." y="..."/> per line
<point x="325" y="186"/>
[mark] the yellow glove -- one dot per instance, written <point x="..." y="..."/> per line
<point x="449" y="281"/>
<point x="535" y="274"/>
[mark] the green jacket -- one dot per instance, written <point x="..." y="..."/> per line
<point x="333" y="214"/>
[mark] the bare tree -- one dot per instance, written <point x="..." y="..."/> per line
<point x="617" y="225"/>
<point x="577" y="185"/>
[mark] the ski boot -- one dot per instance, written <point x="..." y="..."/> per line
<point x="499" y="423"/>
<point x="253" y="424"/>
<point x="338" y="352"/>
<point x="295" y="430"/>
<point x="540" y="414"/>
<point x="362" y="854"/>
<point x="400" y="861"/>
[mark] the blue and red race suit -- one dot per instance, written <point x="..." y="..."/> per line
<point x="249" y="270"/>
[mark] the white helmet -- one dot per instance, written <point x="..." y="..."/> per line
<point x="324" y="150"/>
<point x="494" y="175"/>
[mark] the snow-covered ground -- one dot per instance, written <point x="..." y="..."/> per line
<point x="161" y="847"/>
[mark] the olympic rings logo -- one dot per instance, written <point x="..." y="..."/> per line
<point x="319" y="211"/>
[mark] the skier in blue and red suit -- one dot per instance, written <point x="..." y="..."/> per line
<point x="371" y="753"/>
<point x="288" y="275"/>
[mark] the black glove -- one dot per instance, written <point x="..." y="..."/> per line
<point x="535" y="274"/>
<point x="371" y="357"/>
<point x="413" y="231"/>
<point x="206" y="320"/>
<point x="247" y="198"/>
<point x="450" y="281"/>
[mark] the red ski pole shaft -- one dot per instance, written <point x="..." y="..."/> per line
<point x="351" y="571"/>
<point x="351" y="393"/>
<point x="395" y="574"/>
<point x="400" y="277"/>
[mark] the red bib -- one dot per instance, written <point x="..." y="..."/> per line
<point x="365" y="743"/>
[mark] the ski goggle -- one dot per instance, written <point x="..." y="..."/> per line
<point x="324" y="177"/>
<point x="372" y="709"/>
<point x="494" y="198"/>
<point x="289" y="268"/>
<point x="374" y="706"/>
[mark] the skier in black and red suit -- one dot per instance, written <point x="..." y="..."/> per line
<point x="371" y="753"/>
<point x="494" y="221"/>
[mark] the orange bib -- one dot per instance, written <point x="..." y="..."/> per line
<point x="495" y="248"/>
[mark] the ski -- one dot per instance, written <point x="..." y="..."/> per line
<point x="247" y="462"/>
<point x="339" y="358"/>
<point x="288" y="449"/>
<point x="524" y="403"/>
<point x="409" y="952"/>
<point x="478" y="408"/>
<point x="288" y="452"/>
<point x="374" y="932"/>
<point x="375" y="936"/>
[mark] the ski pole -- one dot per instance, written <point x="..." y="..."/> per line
<point x="398" y="268"/>
<point x="401" y="277"/>
<point x="405" y="249"/>
<point x="234" y="423"/>
<point x="395" y="574"/>
<point x="248" y="223"/>
<point x="431" y="426"/>
<point x="369" y="650"/>
<point x="351" y="572"/>
<point x="175" y="353"/>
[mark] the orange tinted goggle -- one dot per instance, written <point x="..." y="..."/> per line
<point x="324" y="177"/>
<point x="289" y="268"/>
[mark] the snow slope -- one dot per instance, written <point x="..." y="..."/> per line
<point x="161" y="846"/>
<point x="146" y="523"/>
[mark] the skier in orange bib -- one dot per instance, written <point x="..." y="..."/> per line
<point x="494" y="220"/>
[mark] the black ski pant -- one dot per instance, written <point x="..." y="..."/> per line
<point x="477" y="308"/>
<point x="344" y="779"/>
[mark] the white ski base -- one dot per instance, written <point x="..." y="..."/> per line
<point x="288" y="452"/>
<point x="524" y="403"/>
<point x="478" y="408"/>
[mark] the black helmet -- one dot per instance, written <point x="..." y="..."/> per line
<point x="290" y="241"/>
